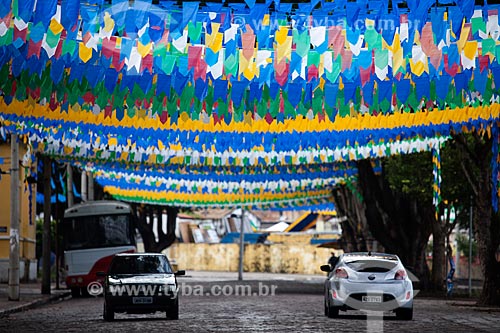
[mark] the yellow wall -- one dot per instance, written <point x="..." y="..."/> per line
<point x="273" y="258"/>
<point x="298" y="237"/>
<point x="27" y="227"/>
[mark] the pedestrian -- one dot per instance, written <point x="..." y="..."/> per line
<point x="262" y="239"/>
<point x="451" y="273"/>
<point x="333" y="260"/>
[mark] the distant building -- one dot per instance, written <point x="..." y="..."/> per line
<point x="27" y="225"/>
<point x="211" y="225"/>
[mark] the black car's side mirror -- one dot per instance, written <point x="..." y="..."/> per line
<point x="101" y="274"/>
<point x="326" y="268"/>
<point x="179" y="273"/>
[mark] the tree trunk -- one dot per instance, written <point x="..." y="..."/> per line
<point x="487" y="233"/>
<point x="438" y="256"/>
<point x="354" y="229"/>
<point x="401" y="224"/>
<point x="476" y="157"/>
<point x="146" y="229"/>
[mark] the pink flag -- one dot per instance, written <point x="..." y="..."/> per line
<point x="336" y="40"/>
<point x="248" y="43"/>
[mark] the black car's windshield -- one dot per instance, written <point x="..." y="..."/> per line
<point x="139" y="265"/>
<point x="372" y="266"/>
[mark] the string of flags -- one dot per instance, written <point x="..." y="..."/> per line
<point x="244" y="85"/>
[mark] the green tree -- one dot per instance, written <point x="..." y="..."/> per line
<point x="463" y="245"/>
<point x="475" y="153"/>
<point x="396" y="206"/>
<point x="39" y="236"/>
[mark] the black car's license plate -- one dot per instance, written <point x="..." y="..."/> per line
<point x="142" y="300"/>
<point x="372" y="299"/>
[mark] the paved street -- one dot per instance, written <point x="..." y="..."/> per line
<point x="210" y="311"/>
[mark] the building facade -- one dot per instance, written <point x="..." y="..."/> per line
<point x="27" y="223"/>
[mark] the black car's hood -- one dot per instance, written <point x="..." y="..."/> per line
<point x="142" y="279"/>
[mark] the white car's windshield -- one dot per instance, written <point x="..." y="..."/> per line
<point x="371" y="265"/>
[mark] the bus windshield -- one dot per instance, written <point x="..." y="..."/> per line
<point x="87" y="232"/>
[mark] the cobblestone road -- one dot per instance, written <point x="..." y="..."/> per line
<point x="279" y="313"/>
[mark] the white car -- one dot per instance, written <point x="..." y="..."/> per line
<point x="368" y="281"/>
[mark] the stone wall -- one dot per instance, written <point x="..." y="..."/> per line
<point x="273" y="258"/>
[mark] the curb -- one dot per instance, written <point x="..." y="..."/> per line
<point x="34" y="303"/>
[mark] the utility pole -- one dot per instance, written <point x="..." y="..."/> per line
<point x="47" y="192"/>
<point x="242" y="246"/>
<point x="56" y="216"/>
<point x="14" y="220"/>
<point x="91" y="195"/>
<point x="470" y="249"/>
<point x="69" y="185"/>
<point x="84" y="186"/>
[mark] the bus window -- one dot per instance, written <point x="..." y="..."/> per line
<point x="97" y="231"/>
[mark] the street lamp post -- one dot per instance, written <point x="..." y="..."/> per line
<point x="242" y="246"/>
<point x="470" y="248"/>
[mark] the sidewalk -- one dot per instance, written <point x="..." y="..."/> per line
<point x="30" y="297"/>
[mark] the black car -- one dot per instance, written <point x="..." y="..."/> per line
<point x="141" y="283"/>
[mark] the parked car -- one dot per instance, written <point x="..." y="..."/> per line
<point x="140" y="283"/>
<point x="368" y="281"/>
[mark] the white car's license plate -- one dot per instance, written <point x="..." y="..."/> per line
<point x="142" y="300"/>
<point x="372" y="299"/>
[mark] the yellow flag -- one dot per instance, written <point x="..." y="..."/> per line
<point x="109" y="23"/>
<point x="265" y="20"/>
<point x="281" y="35"/>
<point x="398" y="60"/>
<point x="243" y="63"/>
<point x="112" y="142"/>
<point x="217" y="42"/>
<point x="470" y="49"/>
<point x="249" y="73"/>
<point x="212" y="39"/>
<point x="285" y="49"/>
<point x="142" y="49"/>
<point x="55" y="27"/>
<point x="161" y="146"/>
<point x="84" y="52"/>
<point x="463" y="38"/>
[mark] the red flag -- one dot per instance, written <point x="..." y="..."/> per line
<point x="108" y="46"/>
<point x="147" y="63"/>
<point x="34" y="48"/>
<point x="194" y="55"/>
